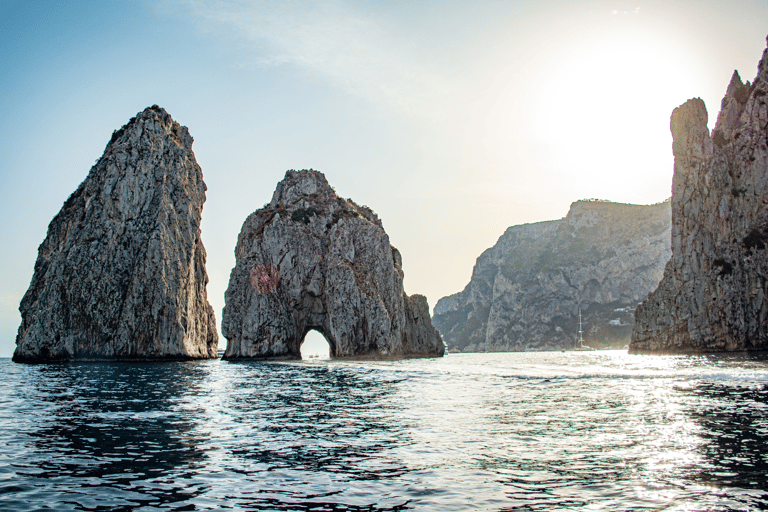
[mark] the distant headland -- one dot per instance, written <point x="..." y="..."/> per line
<point x="527" y="290"/>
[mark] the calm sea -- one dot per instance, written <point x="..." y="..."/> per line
<point x="515" y="431"/>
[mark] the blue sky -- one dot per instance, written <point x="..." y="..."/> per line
<point x="452" y="120"/>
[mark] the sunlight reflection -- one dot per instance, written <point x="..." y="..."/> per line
<point x="670" y="447"/>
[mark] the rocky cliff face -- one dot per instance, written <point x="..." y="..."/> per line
<point x="526" y="291"/>
<point x="121" y="273"/>
<point x="312" y="260"/>
<point x="713" y="294"/>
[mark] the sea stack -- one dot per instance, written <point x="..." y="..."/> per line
<point x="121" y="274"/>
<point x="713" y="297"/>
<point x="527" y="290"/>
<point x="312" y="260"/>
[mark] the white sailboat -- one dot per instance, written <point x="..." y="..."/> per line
<point x="580" y="341"/>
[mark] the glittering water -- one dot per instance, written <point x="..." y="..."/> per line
<point x="541" y="431"/>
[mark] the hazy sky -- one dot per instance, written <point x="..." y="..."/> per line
<point x="452" y="120"/>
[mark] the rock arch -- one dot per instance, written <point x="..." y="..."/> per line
<point x="315" y="344"/>
<point x="312" y="260"/>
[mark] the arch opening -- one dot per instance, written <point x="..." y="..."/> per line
<point x="315" y="346"/>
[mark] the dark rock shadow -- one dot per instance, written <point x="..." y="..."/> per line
<point x="114" y="436"/>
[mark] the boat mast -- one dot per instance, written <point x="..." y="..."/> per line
<point x="581" y="336"/>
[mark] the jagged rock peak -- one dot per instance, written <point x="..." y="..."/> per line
<point x="121" y="272"/>
<point x="526" y="291"/>
<point x="309" y="183"/>
<point x="713" y="294"/>
<point x="312" y="260"/>
<point x="302" y="183"/>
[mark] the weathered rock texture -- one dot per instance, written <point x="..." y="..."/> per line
<point x="713" y="294"/>
<point x="526" y="291"/>
<point x="311" y="260"/>
<point x="121" y="273"/>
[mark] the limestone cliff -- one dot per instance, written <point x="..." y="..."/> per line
<point x="713" y="294"/>
<point x="121" y="273"/>
<point x="312" y="260"/>
<point x="526" y="291"/>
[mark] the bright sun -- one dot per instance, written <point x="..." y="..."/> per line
<point x="599" y="112"/>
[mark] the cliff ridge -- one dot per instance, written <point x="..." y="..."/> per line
<point x="526" y="291"/>
<point x="712" y="297"/>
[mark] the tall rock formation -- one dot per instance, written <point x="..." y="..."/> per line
<point x="526" y="291"/>
<point x="713" y="294"/>
<point x="312" y="260"/>
<point x="121" y="273"/>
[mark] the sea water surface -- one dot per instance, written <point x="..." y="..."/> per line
<point x="512" y="431"/>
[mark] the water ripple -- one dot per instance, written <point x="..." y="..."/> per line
<point x="550" y="431"/>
